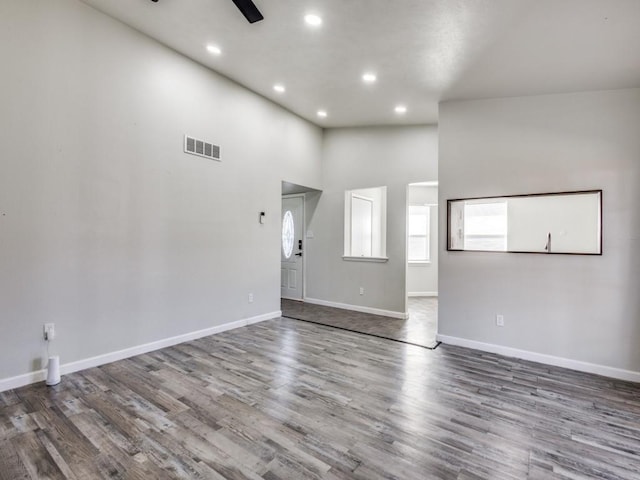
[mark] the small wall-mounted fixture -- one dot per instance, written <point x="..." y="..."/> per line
<point x="261" y="218"/>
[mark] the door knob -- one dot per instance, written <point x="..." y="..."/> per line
<point x="299" y="254"/>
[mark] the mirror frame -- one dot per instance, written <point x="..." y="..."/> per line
<point x="577" y="192"/>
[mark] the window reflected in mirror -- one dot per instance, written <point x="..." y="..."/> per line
<point x="485" y="225"/>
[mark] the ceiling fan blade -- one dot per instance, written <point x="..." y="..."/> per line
<point x="249" y="10"/>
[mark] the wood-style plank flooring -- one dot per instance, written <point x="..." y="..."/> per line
<point x="419" y="329"/>
<point x="287" y="399"/>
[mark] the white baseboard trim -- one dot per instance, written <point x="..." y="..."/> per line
<point x="358" y="308"/>
<point x="40" y="375"/>
<point x="422" y="294"/>
<point x="612" y="372"/>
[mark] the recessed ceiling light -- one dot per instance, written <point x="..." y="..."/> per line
<point x="369" y="77"/>
<point x="214" y="49"/>
<point x="313" y="20"/>
<point x="279" y="88"/>
<point x="322" y="113"/>
<point x="400" y="109"/>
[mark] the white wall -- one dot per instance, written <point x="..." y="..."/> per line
<point x="107" y="228"/>
<point x="362" y="158"/>
<point x="583" y="308"/>
<point x="422" y="278"/>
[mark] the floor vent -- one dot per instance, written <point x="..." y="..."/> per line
<point x="201" y="148"/>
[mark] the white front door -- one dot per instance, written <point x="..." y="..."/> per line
<point x="291" y="249"/>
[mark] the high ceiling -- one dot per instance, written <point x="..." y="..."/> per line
<point x="422" y="51"/>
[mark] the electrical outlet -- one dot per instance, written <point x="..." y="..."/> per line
<point x="361" y="290"/>
<point x="251" y="298"/>
<point x="500" y="320"/>
<point x="49" y="331"/>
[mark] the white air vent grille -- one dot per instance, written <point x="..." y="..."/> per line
<point x="201" y="148"/>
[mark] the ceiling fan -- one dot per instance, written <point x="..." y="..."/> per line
<point x="248" y="9"/>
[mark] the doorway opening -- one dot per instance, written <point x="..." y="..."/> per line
<point x="422" y="260"/>
<point x="293" y="242"/>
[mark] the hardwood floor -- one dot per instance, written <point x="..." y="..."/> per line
<point x="418" y="329"/>
<point x="286" y="399"/>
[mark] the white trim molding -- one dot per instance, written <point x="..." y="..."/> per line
<point x="358" y="308"/>
<point x="612" y="372"/>
<point x="422" y="294"/>
<point x="348" y="258"/>
<point x="40" y="375"/>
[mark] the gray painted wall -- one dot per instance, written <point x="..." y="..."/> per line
<point x="107" y="228"/>
<point x="362" y="158"/>
<point x="584" y="308"/>
<point x="423" y="277"/>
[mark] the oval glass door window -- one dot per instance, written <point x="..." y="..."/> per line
<point x="288" y="234"/>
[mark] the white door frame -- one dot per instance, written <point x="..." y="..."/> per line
<point x="304" y="238"/>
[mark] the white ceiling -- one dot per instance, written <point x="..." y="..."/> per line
<point x="422" y="51"/>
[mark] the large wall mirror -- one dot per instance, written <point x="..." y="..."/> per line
<point x="567" y="222"/>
